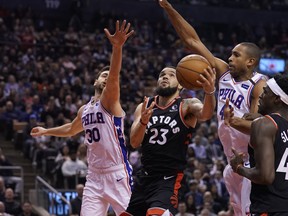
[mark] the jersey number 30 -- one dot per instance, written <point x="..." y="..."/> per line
<point x="93" y="135"/>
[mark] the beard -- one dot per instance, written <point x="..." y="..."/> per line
<point x="165" y="92"/>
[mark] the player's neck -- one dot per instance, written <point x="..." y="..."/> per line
<point x="164" y="101"/>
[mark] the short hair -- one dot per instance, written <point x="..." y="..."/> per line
<point x="252" y="51"/>
<point x="105" y="68"/>
<point x="282" y="81"/>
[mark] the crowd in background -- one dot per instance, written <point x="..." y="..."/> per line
<point x="47" y="72"/>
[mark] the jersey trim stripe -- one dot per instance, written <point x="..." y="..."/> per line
<point x="118" y="123"/>
<point x="181" y="115"/>
<point x="273" y="121"/>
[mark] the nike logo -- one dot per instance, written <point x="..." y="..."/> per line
<point x="225" y="80"/>
<point x="119" y="179"/>
<point x="168" y="177"/>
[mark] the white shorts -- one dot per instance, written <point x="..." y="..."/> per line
<point x="239" y="189"/>
<point x="106" y="187"/>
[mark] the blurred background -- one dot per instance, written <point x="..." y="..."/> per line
<point x="50" y="51"/>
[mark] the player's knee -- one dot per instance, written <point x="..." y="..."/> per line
<point x="125" y="214"/>
<point x="155" y="211"/>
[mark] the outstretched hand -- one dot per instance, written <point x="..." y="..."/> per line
<point x="237" y="160"/>
<point x="38" y="131"/>
<point x="146" y="112"/>
<point x="121" y="34"/>
<point x="228" y="113"/>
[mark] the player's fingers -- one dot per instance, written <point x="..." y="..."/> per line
<point x="144" y="104"/>
<point x="108" y="35"/>
<point x="151" y="105"/>
<point x="117" y="26"/>
<point x="227" y="102"/>
<point x="235" y="152"/>
<point x="130" y="33"/>
<point x="123" y="25"/>
<point x="127" y="27"/>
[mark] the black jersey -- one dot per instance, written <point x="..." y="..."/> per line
<point x="274" y="198"/>
<point x="165" y="142"/>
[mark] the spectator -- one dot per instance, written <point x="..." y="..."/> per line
<point x="71" y="168"/>
<point x="77" y="201"/>
<point x="183" y="210"/>
<point x="12" y="207"/>
<point x="3" y="210"/>
<point x="8" y="175"/>
<point x="27" y="209"/>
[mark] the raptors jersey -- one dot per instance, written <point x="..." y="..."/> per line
<point x="239" y="94"/>
<point x="165" y="141"/>
<point x="274" y="197"/>
<point x="104" y="138"/>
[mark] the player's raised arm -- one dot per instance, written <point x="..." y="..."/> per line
<point x="110" y="98"/>
<point x="190" y="37"/>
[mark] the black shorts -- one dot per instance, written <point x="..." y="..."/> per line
<point x="155" y="191"/>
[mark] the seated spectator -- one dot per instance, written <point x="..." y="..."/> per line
<point x="12" y="206"/>
<point x="183" y="210"/>
<point x="10" y="113"/>
<point x="29" y="141"/>
<point x="27" y="209"/>
<point x="3" y="210"/>
<point x="77" y="201"/>
<point x="190" y="204"/>
<point x="62" y="156"/>
<point x="8" y="176"/>
<point x="71" y="168"/>
<point x="194" y="191"/>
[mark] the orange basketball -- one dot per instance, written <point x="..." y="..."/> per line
<point x="189" y="69"/>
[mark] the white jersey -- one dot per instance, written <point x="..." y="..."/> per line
<point x="104" y="137"/>
<point x="239" y="94"/>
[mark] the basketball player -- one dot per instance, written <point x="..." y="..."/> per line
<point x="269" y="141"/>
<point x="237" y="81"/>
<point x="109" y="172"/>
<point x="162" y="127"/>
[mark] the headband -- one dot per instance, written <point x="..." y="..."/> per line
<point x="275" y="88"/>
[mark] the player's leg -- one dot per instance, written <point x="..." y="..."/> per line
<point x="93" y="203"/>
<point x="164" y="193"/>
<point x="158" y="212"/>
<point x="245" y="195"/>
<point x="233" y="183"/>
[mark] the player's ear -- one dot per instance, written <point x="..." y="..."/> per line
<point x="180" y="87"/>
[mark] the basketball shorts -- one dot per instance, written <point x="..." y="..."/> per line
<point x="160" y="191"/>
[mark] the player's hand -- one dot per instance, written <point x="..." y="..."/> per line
<point x="146" y="112"/>
<point x="207" y="80"/>
<point x="38" y="131"/>
<point x="251" y="116"/>
<point x="228" y="113"/>
<point x="121" y="34"/>
<point x="164" y="3"/>
<point x="236" y="160"/>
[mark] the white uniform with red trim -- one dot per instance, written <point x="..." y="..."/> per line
<point x="109" y="177"/>
<point x="239" y="94"/>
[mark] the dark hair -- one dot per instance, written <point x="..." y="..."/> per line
<point x="282" y="81"/>
<point x="105" y="68"/>
<point x="253" y="51"/>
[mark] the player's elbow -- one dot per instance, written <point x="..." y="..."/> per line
<point x="134" y="144"/>
<point x="268" y="178"/>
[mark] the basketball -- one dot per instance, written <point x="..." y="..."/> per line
<point x="189" y="69"/>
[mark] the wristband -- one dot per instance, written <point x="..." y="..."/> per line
<point x="238" y="166"/>
<point x="142" y="123"/>
<point x="210" y="93"/>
